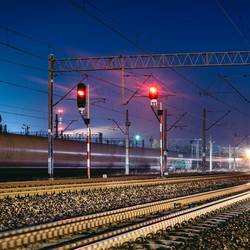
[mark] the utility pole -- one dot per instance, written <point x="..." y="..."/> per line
<point x="56" y="125"/>
<point x="234" y="157"/>
<point x="122" y="85"/>
<point x="210" y="155"/>
<point x="197" y="153"/>
<point x="125" y="132"/>
<point x="204" y="130"/>
<point x="127" y="124"/>
<point x="50" y="117"/>
<point x="204" y="140"/>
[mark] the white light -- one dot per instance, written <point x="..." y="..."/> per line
<point x="247" y="153"/>
<point x="137" y="137"/>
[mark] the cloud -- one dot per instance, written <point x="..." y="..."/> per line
<point x="43" y="81"/>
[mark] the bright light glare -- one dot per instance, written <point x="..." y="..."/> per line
<point x="137" y="137"/>
<point x="247" y="153"/>
<point x="60" y="111"/>
<point x="153" y="90"/>
<point x="80" y="92"/>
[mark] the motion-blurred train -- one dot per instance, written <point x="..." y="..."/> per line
<point x="28" y="156"/>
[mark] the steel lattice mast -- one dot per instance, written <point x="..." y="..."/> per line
<point x="150" y="61"/>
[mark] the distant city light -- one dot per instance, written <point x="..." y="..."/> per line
<point x="247" y="153"/>
<point x="137" y="137"/>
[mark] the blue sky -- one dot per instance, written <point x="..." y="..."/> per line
<point x="157" y="27"/>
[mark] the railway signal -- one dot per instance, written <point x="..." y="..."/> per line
<point x="81" y="96"/>
<point x="153" y="94"/>
<point x="82" y="102"/>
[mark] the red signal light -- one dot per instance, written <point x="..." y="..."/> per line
<point x="153" y="92"/>
<point x="81" y="93"/>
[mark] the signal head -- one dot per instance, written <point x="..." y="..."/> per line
<point x="81" y="95"/>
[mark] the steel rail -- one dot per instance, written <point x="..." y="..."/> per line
<point x="118" y="238"/>
<point x="38" y="183"/>
<point x="27" y="236"/>
<point x="176" y="237"/>
<point x="52" y="189"/>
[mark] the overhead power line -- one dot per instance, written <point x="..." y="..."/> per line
<point x="176" y="122"/>
<point x="30" y="116"/>
<point x="31" y="38"/>
<point x="18" y="85"/>
<point x="24" y="115"/>
<point x="235" y="90"/>
<point x="126" y="38"/>
<point x="23" y="65"/>
<point x="194" y="84"/>
<point x="236" y="27"/>
<point x="218" y="120"/>
<point x="22" y="108"/>
<point x="108" y="82"/>
<point x="23" y="86"/>
<point x="122" y="113"/>
<point x="107" y="25"/>
<point x="21" y="50"/>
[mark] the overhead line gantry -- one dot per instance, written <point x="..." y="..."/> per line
<point x="150" y="61"/>
<point x="147" y="61"/>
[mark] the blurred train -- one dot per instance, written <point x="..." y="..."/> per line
<point x="27" y="156"/>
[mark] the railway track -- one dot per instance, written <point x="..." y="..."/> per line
<point x="48" y="182"/>
<point x="40" y="183"/>
<point x="153" y="230"/>
<point x="188" y="234"/>
<point x="95" y="226"/>
<point x="80" y="186"/>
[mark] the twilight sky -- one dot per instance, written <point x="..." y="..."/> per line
<point x="30" y="30"/>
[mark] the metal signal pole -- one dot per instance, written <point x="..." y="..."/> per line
<point x="160" y="113"/>
<point x="165" y="130"/>
<point x="204" y="140"/>
<point x="88" y="134"/>
<point x="50" y="117"/>
<point x="127" y="124"/>
<point x="210" y="155"/>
